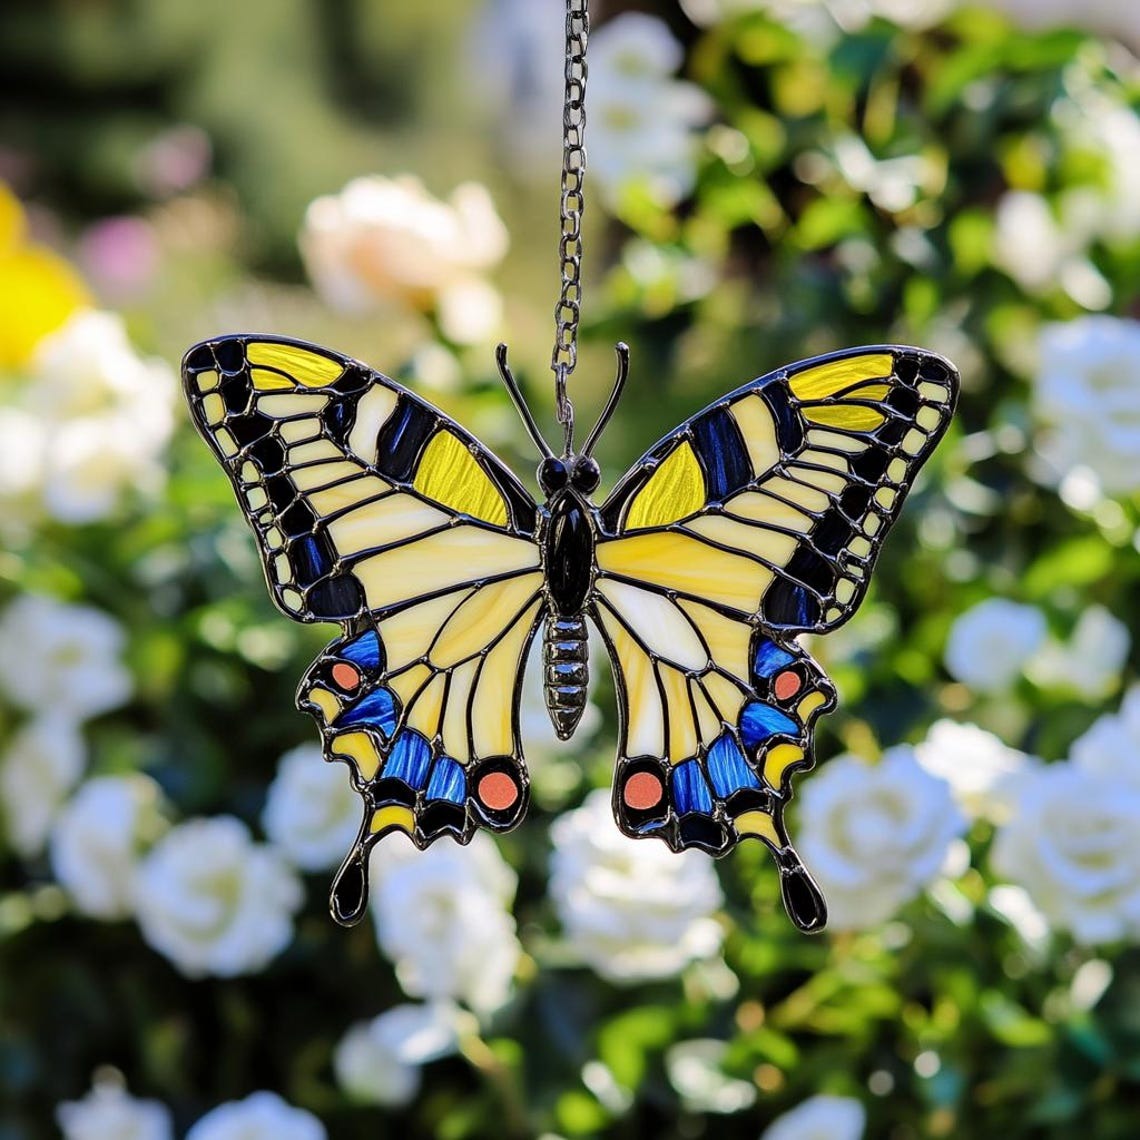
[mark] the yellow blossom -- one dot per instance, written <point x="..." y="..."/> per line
<point x="39" y="290"/>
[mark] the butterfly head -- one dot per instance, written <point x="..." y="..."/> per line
<point x="576" y="470"/>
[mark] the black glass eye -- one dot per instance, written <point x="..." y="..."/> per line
<point x="587" y="475"/>
<point x="552" y="475"/>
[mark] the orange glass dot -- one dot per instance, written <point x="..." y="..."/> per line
<point x="788" y="684"/>
<point x="642" y="791"/>
<point x="346" y="676"/>
<point x="498" y="791"/>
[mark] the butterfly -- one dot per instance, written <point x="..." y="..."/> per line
<point x="758" y="519"/>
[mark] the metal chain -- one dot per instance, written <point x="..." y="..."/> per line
<point x="569" y="308"/>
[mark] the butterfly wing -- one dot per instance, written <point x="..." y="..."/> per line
<point x="373" y="509"/>
<point x="758" y="519"/>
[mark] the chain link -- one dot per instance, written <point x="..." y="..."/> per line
<point x="569" y="308"/>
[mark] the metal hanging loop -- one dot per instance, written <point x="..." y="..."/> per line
<point x="568" y="311"/>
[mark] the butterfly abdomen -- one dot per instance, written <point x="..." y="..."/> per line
<point x="568" y="559"/>
<point x="566" y="671"/>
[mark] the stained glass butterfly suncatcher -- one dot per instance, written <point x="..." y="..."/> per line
<point x="758" y="519"/>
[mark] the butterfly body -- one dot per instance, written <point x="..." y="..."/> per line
<point x="757" y="520"/>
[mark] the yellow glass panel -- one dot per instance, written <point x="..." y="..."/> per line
<point x="778" y="760"/>
<point x="896" y="472"/>
<point x="291" y="404"/>
<point x="407" y="684"/>
<point x="807" y="497"/>
<point x="372" y="412"/>
<point x="226" y="442"/>
<point x="885" y="497"/>
<point x="935" y="393"/>
<point x="492" y="708"/>
<point x="826" y="379"/>
<point x="771" y="545"/>
<point x="870" y="392"/>
<point x="645" y="726"/>
<point x="207" y="381"/>
<point x="281" y="569"/>
<point x="872" y="524"/>
<point x="727" y="698"/>
<point x="385" y="521"/>
<point x="360" y="748"/>
<point x="323" y="475"/>
<point x="455" y="742"/>
<point x="449" y="474"/>
<point x="758" y="823"/>
<point x="256" y="498"/>
<point x="683" y="734"/>
<point x="297" y="431"/>
<point x="427" y="711"/>
<point x="326" y="701"/>
<point x="727" y="640"/>
<point x="451" y="558"/>
<point x="810" y="705"/>
<point x="681" y="562"/>
<point x="213" y="409"/>
<point x="292" y="600"/>
<point x="825" y="480"/>
<point x="394" y="817"/>
<point x="676" y="489"/>
<point x="928" y="418"/>
<point x="249" y="473"/>
<point x="348" y="494"/>
<point x="709" y="725"/>
<point x="481" y="618"/>
<point x="914" y="441"/>
<point x="836" y="441"/>
<point x="860" y="547"/>
<point x="825" y="459"/>
<point x="844" y="591"/>
<point x="308" y="368"/>
<point x="266" y="381"/>
<point x="852" y="417"/>
<point x="320" y="451"/>
<point x="408" y="635"/>
<point x="759" y="431"/>
<point x="766" y="509"/>
<point x="657" y="622"/>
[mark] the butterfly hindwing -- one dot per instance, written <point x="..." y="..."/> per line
<point x="759" y="519"/>
<point x="372" y="508"/>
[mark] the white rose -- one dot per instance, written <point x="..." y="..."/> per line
<point x="991" y="643"/>
<point x="109" y="414"/>
<point x="643" y="123"/>
<point x="694" y="1069"/>
<point x="1074" y="845"/>
<point x="262" y="1116"/>
<point x="108" y="1113"/>
<point x="1111" y="747"/>
<point x="820" y="1118"/>
<point x="61" y="658"/>
<point x="1087" y="398"/>
<point x="442" y="916"/>
<point x="38" y="769"/>
<point x="379" y="1061"/>
<point x="213" y="902"/>
<point x="1092" y="660"/>
<point x="630" y="909"/>
<point x="821" y="20"/>
<point x="874" y="835"/>
<point x="982" y="772"/>
<point x="312" y="813"/>
<point x="97" y="839"/>
<point x="387" y="239"/>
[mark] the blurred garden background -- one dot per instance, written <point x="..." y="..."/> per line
<point x="769" y="179"/>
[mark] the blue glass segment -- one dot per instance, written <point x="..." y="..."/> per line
<point x="728" y="770"/>
<point x="722" y="452"/>
<point x="311" y="561"/>
<point x="770" y="658"/>
<point x="363" y="651"/>
<point x="690" y="791"/>
<point x="447" y="781"/>
<point x="759" y="722"/>
<point x="409" y="759"/>
<point x="377" y="710"/>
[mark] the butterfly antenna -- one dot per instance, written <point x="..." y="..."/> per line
<point x="520" y="402"/>
<point x="622" y="350"/>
